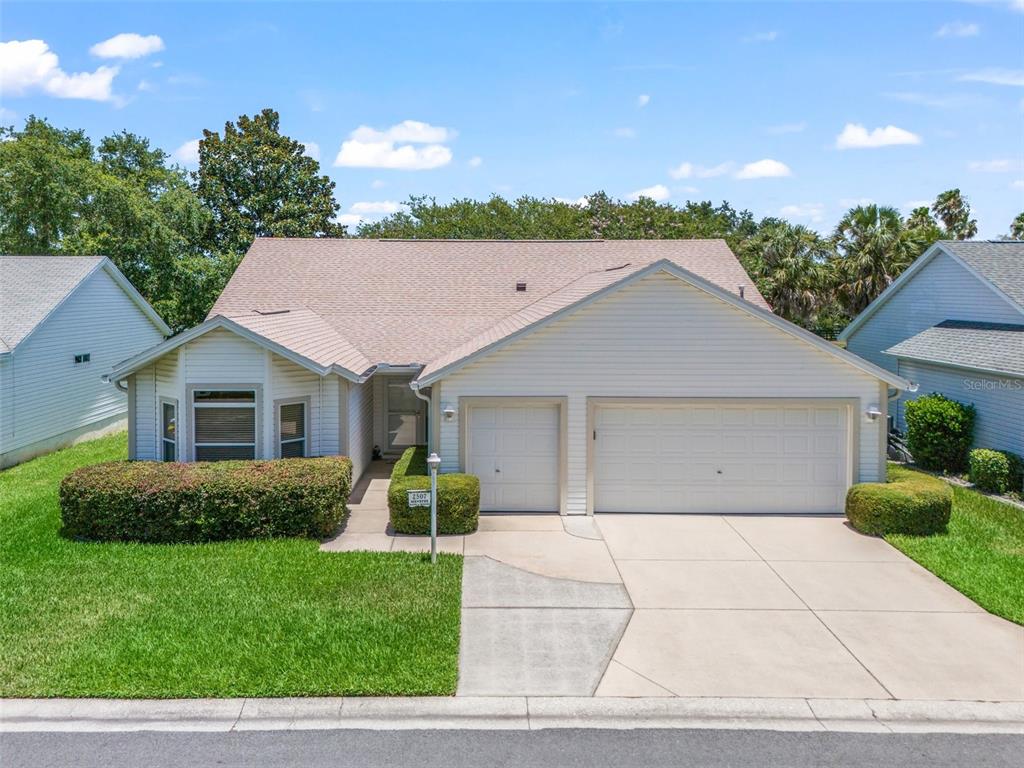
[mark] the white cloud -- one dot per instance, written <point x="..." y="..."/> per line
<point x="813" y="212"/>
<point x="958" y="29"/>
<point x="856" y="136"/>
<point x="762" y="37"/>
<point x="1017" y="184"/>
<point x="764" y="169"/>
<point x="312" y="149"/>
<point x="787" y="128"/>
<point x="475" y="162"/>
<point x="643" y="100"/>
<point x="379" y="207"/>
<point x="395" y="147"/>
<point x="681" y="171"/>
<point x="127" y="45"/>
<point x="994" y="76"/>
<point x="658" y="193"/>
<point x="716" y="170"/>
<point x="854" y="202"/>
<point x="949" y="101"/>
<point x="26" y="65"/>
<point x="579" y="202"/>
<point x="348" y="219"/>
<point x="624" y="133"/>
<point x="378" y="184"/>
<point x="145" y="85"/>
<point x="187" y="153"/>
<point x="1001" y="165"/>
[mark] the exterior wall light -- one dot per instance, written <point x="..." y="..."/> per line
<point x="872" y="413"/>
<point x="449" y="412"/>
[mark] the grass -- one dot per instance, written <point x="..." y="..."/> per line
<point x="248" y="618"/>
<point x="981" y="554"/>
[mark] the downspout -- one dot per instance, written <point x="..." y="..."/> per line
<point x="415" y="386"/>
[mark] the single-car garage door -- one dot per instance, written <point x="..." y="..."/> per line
<point x="720" y="457"/>
<point x="514" y="450"/>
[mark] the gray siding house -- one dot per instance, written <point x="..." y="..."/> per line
<point x="954" y="323"/>
<point x="64" y="321"/>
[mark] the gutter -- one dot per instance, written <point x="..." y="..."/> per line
<point x="428" y="399"/>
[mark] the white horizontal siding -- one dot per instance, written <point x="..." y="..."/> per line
<point x="361" y="409"/>
<point x="941" y="290"/>
<point x="47" y="394"/>
<point x="221" y="358"/>
<point x="658" y="337"/>
<point x="999" y="402"/>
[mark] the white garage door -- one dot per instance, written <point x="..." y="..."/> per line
<point x="513" y="449"/>
<point x="773" y="458"/>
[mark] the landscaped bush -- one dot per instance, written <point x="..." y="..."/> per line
<point x="996" y="471"/>
<point x="939" y="432"/>
<point x="458" y="497"/>
<point x="910" y="502"/>
<point x="162" y="502"/>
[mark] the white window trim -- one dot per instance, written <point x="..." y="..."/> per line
<point x="257" y="389"/>
<point x="307" y="411"/>
<point x="172" y="401"/>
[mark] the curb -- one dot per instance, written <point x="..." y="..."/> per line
<point x="510" y="713"/>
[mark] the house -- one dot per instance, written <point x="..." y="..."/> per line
<point x="570" y="376"/>
<point x="64" y="321"/>
<point x="953" y="323"/>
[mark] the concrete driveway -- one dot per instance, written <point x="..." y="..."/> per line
<point x="795" y="607"/>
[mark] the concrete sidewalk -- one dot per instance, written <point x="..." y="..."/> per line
<point x="517" y="713"/>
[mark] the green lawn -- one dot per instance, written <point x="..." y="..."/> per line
<point x="256" y="618"/>
<point x="981" y="555"/>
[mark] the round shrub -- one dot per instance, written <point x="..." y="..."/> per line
<point x="911" y="502"/>
<point x="158" y="502"/>
<point x="939" y="432"/>
<point x="458" y="497"/>
<point x="990" y="470"/>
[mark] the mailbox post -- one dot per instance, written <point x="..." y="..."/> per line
<point x="433" y="461"/>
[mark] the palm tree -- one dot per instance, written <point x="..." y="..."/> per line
<point x="789" y="265"/>
<point x="954" y="212"/>
<point x="1017" y="227"/>
<point x="874" y="248"/>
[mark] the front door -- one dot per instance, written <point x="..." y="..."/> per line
<point x="405" y="414"/>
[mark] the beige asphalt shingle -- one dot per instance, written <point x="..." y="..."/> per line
<point x="412" y="301"/>
<point x="32" y="286"/>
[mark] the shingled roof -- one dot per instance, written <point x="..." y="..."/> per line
<point x="407" y="302"/>
<point x="31" y="287"/>
<point x="994" y="347"/>
<point x="1001" y="262"/>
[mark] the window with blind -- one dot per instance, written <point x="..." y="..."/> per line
<point x="292" y="429"/>
<point x="224" y="424"/>
<point x="169" y="429"/>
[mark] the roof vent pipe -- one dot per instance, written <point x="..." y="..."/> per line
<point x="741" y="291"/>
<point x="521" y="286"/>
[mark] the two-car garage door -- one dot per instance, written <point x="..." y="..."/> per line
<point x="720" y="457"/>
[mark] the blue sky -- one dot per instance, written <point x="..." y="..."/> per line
<point x="795" y="110"/>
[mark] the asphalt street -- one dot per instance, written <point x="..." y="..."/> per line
<point x="522" y="749"/>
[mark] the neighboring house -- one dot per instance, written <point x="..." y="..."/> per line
<point x="64" y="321"/>
<point x="570" y="376"/>
<point x="953" y="323"/>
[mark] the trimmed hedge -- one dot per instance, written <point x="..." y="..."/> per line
<point x="458" y="497"/>
<point x="939" y="432"/>
<point x="910" y="502"/>
<point x="158" y="502"/>
<point x="996" y="471"/>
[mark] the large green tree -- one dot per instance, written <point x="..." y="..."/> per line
<point x="1017" y="227"/>
<point x="257" y="182"/>
<point x="873" y="248"/>
<point x="59" y="194"/>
